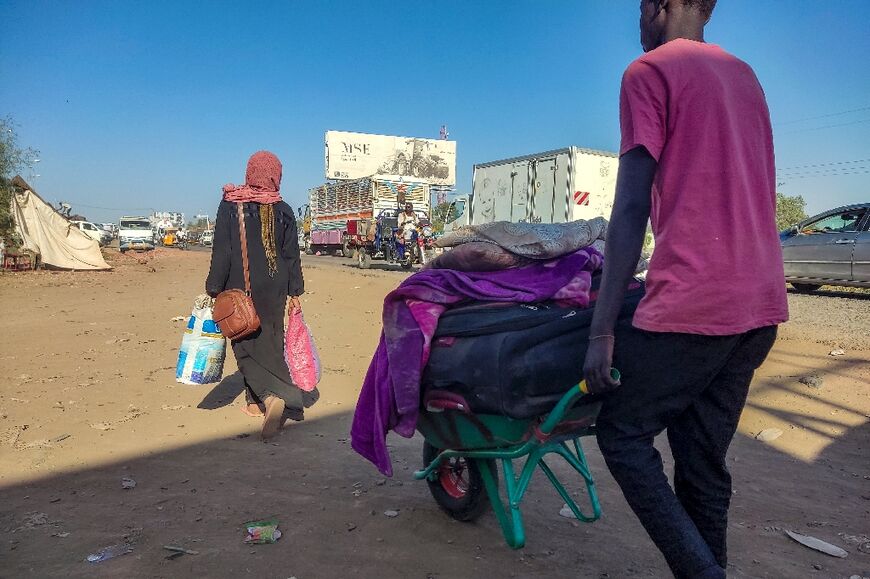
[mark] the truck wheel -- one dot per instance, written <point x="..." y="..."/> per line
<point x="365" y="260"/>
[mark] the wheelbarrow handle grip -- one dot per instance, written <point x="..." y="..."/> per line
<point x="567" y="402"/>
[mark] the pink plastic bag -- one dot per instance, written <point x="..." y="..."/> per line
<point x="300" y="353"/>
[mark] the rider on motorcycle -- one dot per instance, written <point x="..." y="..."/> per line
<point x="408" y="222"/>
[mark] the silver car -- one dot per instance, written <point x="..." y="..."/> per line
<point x="832" y="248"/>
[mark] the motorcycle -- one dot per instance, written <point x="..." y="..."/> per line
<point x="410" y="253"/>
<point x="425" y="241"/>
<point x="404" y="246"/>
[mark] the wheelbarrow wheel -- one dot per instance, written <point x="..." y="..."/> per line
<point x="458" y="485"/>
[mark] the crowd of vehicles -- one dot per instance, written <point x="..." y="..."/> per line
<point x="359" y="218"/>
<point x="385" y="239"/>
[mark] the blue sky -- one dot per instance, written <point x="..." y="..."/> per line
<point x="138" y="105"/>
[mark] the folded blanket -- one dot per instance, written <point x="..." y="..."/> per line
<point x="390" y="395"/>
<point x="478" y="256"/>
<point x="531" y="240"/>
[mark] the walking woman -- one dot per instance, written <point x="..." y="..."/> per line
<point x="276" y="284"/>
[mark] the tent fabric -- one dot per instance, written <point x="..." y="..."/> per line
<point x="58" y="242"/>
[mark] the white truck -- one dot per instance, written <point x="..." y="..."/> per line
<point x="135" y="233"/>
<point x="551" y="187"/>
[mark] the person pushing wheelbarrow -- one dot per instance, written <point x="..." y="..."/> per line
<point x="697" y="160"/>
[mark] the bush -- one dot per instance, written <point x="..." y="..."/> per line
<point x="12" y="160"/>
<point x="790" y="210"/>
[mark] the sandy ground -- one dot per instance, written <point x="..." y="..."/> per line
<point x="88" y="397"/>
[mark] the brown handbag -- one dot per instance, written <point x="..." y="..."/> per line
<point x="234" y="309"/>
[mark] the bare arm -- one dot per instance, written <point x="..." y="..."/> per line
<point x="631" y="211"/>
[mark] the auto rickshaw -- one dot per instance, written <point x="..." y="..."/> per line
<point x="171" y="238"/>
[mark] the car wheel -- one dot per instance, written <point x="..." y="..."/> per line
<point x="805" y="288"/>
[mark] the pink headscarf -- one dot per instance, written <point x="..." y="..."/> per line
<point x="262" y="181"/>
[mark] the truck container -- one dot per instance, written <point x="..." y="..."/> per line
<point x="551" y="187"/>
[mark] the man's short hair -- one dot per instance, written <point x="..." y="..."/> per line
<point x="705" y="7"/>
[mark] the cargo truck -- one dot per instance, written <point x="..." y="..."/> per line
<point x="551" y="187"/>
<point x="341" y="213"/>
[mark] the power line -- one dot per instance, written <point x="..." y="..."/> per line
<point x="823" y="116"/>
<point x="793" y="177"/>
<point x="74" y="204"/>
<point x="823" y="171"/>
<point x="825" y="127"/>
<point x="823" y="164"/>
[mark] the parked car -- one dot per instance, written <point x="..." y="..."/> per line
<point x="832" y="248"/>
<point x="93" y="231"/>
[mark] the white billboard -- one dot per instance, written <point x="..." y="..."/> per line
<point x="355" y="155"/>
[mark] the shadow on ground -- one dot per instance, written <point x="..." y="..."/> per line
<point x="331" y="504"/>
<point x="833" y="292"/>
<point x="224" y="393"/>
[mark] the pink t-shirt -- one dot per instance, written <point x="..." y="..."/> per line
<point x="717" y="265"/>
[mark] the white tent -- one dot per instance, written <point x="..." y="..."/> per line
<point x="46" y="232"/>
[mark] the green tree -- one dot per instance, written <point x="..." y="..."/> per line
<point x="12" y="160"/>
<point x="441" y="214"/>
<point x="790" y="210"/>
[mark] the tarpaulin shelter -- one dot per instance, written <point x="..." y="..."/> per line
<point x="43" y="230"/>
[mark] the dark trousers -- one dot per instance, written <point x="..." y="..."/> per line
<point x="694" y="387"/>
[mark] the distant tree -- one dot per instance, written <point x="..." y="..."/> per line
<point x="790" y="210"/>
<point x="12" y="160"/>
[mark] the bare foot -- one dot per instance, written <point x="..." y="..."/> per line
<point x="254" y="410"/>
<point x="274" y="417"/>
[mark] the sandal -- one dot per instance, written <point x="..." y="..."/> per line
<point x="274" y="417"/>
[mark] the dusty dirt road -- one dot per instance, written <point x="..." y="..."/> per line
<point x="88" y="397"/>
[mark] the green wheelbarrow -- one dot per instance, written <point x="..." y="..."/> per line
<point x="462" y="450"/>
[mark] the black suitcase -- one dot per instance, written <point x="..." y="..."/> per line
<point x="513" y="360"/>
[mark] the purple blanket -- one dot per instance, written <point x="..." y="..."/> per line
<point x="390" y="396"/>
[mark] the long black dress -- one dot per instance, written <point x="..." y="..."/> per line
<point x="260" y="356"/>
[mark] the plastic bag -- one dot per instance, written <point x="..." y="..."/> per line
<point x="262" y="532"/>
<point x="203" y="347"/>
<point x="300" y="353"/>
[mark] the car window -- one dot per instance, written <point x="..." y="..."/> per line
<point x="838" y="223"/>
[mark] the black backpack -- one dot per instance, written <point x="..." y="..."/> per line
<point x="515" y="360"/>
